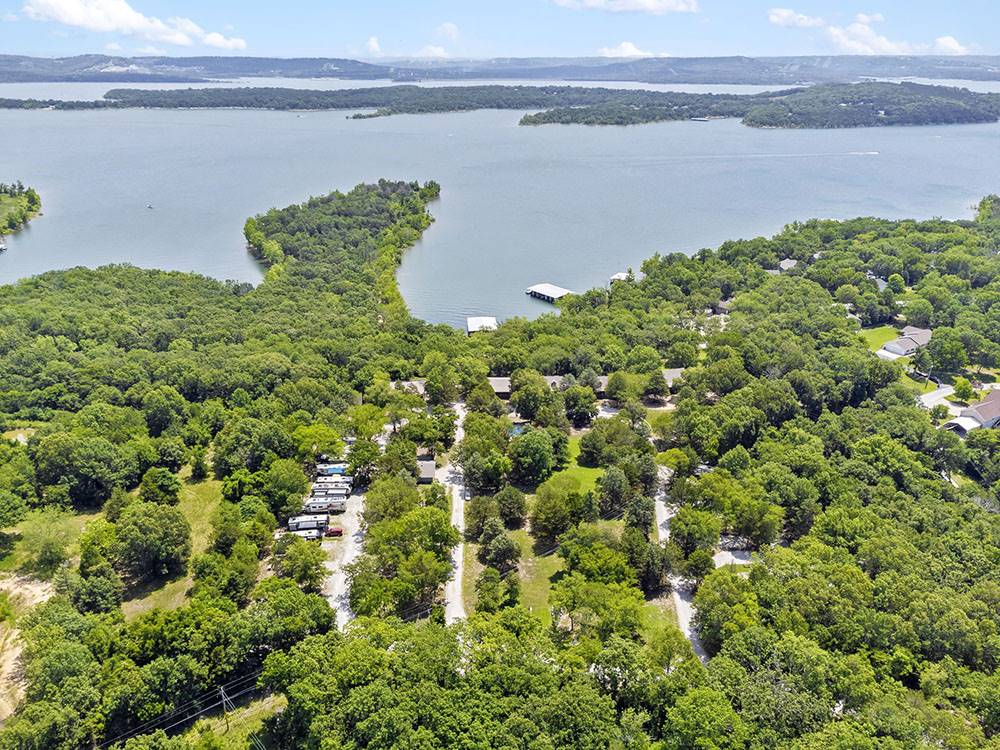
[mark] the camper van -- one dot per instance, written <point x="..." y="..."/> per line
<point x="311" y="521"/>
<point x="324" y="505"/>
<point x="338" y="490"/>
<point x="343" y="479"/>
<point x="310" y="535"/>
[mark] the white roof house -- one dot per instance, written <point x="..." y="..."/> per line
<point x="913" y="338"/>
<point x="547" y="292"/>
<point x="620" y="276"/>
<point x="787" y="264"/>
<point x="476" y="324"/>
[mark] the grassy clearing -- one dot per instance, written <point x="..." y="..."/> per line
<point x="470" y="572"/>
<point x="876" y="338"/>
<point x="918" y="385"/>
<point x="198" y="503"/>
<point x="20" y="434"/>
<point x="537" y="576"/>
<point x="655" y="612"/>
<point x="247" y="719"/>
<point x="584" y="474"/>
<point x="14" y="556"/>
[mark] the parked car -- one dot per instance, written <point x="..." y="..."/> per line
<point x="335" y="531"/>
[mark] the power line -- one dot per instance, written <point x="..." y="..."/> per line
<point x="152" y="724"/>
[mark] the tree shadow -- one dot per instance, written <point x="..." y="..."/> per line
<point x="142" y="589"/>
<point x="7" y="542"/>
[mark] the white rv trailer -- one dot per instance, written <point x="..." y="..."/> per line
<point x="324" y="505"/>
<point x="310" y="535"/>
<point x="310" y="521"/>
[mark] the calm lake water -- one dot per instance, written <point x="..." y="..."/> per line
<point x="566" y="204"/>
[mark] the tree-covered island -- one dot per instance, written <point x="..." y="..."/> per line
<point x="827" y="106"/>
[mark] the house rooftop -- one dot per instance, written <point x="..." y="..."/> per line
<point x="919" y="336"/>
<point x="426" y="469"/>
<point x="788" y="264"/>
<point x="476" y="324"/>
<point x="987" y="410"/>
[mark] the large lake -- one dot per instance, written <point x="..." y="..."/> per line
<point x="566" y="204"/>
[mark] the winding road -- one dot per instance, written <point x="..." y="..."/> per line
<point x="682" y="590"/>
<point x="347" y="550"/>
<point x="451" y="477"/>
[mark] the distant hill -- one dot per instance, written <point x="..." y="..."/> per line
<point x="179" y="69"/>
<point x="722" y="70"/>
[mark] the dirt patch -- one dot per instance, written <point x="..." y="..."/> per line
<point x="24" y="593"/>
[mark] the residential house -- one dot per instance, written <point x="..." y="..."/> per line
<point x="913" y="338"/>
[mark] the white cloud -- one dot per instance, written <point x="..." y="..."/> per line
<point x="117" y="16"/>
<point x="449" y="31"/>
<point x="949" y="45"/>
<point x="217" y="40"/>
<point x="869" y="18"/>
<point x="434" y="51"/>
<point x="861" y="38"/>
<point x="628" y="49"/>
<point x="788" y="17"/>
<point x="656" y="7"/>
<point x="373" y="46"/>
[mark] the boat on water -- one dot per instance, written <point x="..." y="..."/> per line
<point x="149" y="206"/>
<point x="3" y="244"/>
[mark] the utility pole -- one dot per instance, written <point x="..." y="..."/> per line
<point x="227" y="706"/>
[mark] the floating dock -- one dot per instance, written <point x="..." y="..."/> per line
<point x="547" y="292"/>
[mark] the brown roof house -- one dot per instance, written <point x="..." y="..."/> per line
<point x="985" y="413"/>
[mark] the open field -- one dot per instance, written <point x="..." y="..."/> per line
<point x="198" y="503"/>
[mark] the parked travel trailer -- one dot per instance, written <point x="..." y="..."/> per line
<point x="310" y="521"/>
<point x="310" y="535"/>
<point x="335" y="480"/>
<point x="324" y="505"/>
<point x="331" y="469"/>
<point x="331" y="490"/>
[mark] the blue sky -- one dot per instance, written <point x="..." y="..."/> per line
<point x="380" y="29"/>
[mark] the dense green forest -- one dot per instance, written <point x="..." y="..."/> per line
<point x="18" y="205"/>
<point x="869" y="618"/>
<point x="827" y="106"/>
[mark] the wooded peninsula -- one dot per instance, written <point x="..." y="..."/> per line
<point x="167" y="423"/>
<point x="826" y="106"/>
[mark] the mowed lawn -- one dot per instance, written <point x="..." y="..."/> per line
<point x="198" y="503"/>
<point x="586" y="475"/>
<point x="9" y="204"/>
<point x="876" y="338"/>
